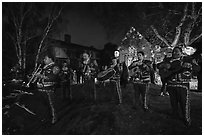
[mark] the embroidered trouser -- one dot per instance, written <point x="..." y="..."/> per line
<point x="141" y="89"/>
<point x="116" y="79"/>
<point x="90" y="88"/>
<point x="66" y="89"/>
<point x="49" y="97"/>
<point x="163" y="88"/>
<point x="179" y="94"/>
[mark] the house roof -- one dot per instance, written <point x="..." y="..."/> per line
<point x="62" y="44"/>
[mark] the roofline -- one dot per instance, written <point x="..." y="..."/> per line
<point x="66" y="45"/>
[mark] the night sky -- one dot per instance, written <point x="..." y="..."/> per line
<point x="82" y="25"/>
<point x="87" y="24"/>
<point x="95" y="24"/>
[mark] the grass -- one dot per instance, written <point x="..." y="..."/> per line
<point x="83" y="116"/>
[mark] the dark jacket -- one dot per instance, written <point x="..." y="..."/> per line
<point x="141" y="72"/>
<point x="50" y="79"/>
<point x="89" y="69"/>
<point x="183" y="73"/>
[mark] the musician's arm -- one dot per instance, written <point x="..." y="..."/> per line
<point x="95" y="65"/>
<point x="132" y="65"/>
<point x="195" y="66"/>
<point x="147" y="68"/>
<point x="41" y="76"/>
<point x="159" y="65"/>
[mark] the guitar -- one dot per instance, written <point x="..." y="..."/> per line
<point x="167" y="70"/>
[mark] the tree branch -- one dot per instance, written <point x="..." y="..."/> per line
<point x="27" y="11"/>
<point x="159" y="36"/>
<point x="177" y="36"/>
<point x="186" y="38"/>
<point x="29" y="38"/>
<point x="184" y="16"/>
<point x="193" y="10"/>
<point x="47" y="30"/>
<point x="194" y="39"/>
<point x="191" y="25"/>
<point x="14" y="42"/>
<point x="178" y="28"/>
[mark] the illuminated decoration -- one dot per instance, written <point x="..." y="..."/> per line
<point x="134" y="42"/>
<point x="189" y="50"/>
<point x="157" y="48"/>
<point x="132" y="50"/>
<point x="116" y="53"/>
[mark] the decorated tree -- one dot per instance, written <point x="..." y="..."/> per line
<point x="177" y="27"/>
<point x="167" y="25"/>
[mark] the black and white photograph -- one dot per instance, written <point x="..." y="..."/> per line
<point x="101" y="68"/>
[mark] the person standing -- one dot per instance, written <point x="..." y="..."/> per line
<point x="181" y="69"/>
<point x="66" y="80"/>
<point x="117" y="76"/>
<point x="141" y="80"/>
<point x="163" y="68"/>
<point x="46" y="84"/>
<point x="89" y="68"/>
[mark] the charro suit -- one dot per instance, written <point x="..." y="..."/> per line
<point x="47" y="85"/>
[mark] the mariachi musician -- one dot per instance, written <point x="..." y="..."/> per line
<point x="115" y="64"/>
<point x="112" y="74"/>
<point x="88" y="68"/>
<point x="140" y="79"/>
<point x="65" y="76"/>
<point x="47" y="81"/>
<point x="163" y="68"/>
<point x="112" y="69"/>
<point x="178" y="76"/>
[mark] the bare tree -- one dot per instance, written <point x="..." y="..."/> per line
<point x="20" y="38"/>
<point x="55" y="13"/>
<point x="184" y="29"/>
<point x="25" y="22"/>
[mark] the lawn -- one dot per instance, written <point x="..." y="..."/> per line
<point x="106" y="116"/>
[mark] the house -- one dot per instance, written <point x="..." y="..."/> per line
<point x="67" y="49"/>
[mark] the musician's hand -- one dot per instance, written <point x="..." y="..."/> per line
<point x="168" y="66"/>
<point x="39" y="75"/>
<point x="112" y="66"/>
<point x="92" y="69"/>
<point x="138" y="63"/>
<point x="194" y="61"/>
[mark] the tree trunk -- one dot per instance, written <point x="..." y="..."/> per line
<point x="159" y="36"/>
<point x="178" y="31"/>
<point x="40" y="46"/>
<point x="24" y="56"/>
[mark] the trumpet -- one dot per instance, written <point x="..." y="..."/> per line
<point x="33" y="77"/>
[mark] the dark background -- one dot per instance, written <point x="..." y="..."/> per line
<point x="89" y="23"/>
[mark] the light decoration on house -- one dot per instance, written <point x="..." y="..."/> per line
<point x="133" y="42"/>
<point x="131" y="38"/>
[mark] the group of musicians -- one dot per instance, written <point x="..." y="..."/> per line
<point x="178" y="69"/>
